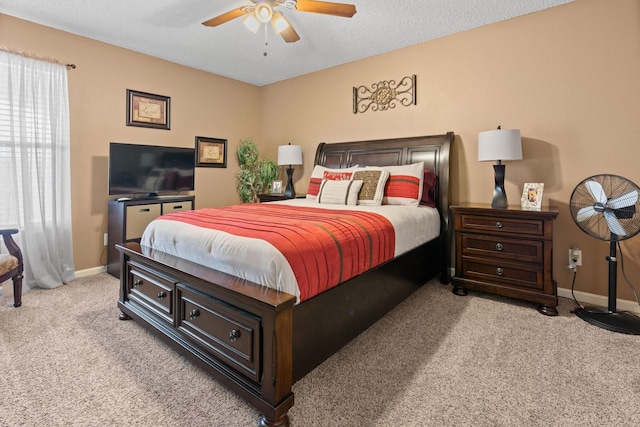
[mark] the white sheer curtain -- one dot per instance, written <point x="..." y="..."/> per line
<point x="35" y="183"/>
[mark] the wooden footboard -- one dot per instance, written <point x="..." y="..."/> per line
<point x="239" y="332"/>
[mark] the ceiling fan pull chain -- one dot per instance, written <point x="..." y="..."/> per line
<point x="266" y="39"/>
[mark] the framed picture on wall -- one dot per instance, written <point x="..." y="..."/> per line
<point x="148" y="110"/>
<point x="532" y="195"/>
<point x="211" y="152"/>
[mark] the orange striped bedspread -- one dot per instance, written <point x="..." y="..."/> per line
<point x="324" y="247"/>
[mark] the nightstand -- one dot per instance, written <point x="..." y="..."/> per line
<point x="508" y="252"/>
<point x="272" y="197"/>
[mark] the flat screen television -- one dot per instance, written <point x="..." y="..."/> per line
<point x="150" y="170"/>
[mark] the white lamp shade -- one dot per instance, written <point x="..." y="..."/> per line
<point x="499" y="144"/>
<point x="289" y="155"/>
<point x="279" y="22"/>
<point x="252" y="23"/>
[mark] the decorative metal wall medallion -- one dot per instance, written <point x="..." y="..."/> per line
<point x="385" y="95"/>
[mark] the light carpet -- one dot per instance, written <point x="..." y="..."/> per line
<point x="436" y="360"/>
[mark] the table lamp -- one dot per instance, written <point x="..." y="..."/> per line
<point x="289" y="155"/>
<point x="499" y="145"/>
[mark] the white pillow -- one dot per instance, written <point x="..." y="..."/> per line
<point x="339" y="192"/>
<point x="404" y="186"/>
<point x="320" y="172"/>
<point x="373" y="186"/>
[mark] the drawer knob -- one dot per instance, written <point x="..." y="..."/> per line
<point x="137" y="283"/>
<point x="161" y="295"/>
<point x="499" y="246"/>
<point x="498" y="224"/>
<point x="234" y="335"/>
<point x="499" y="271"/>
<point x="193" y="314"/>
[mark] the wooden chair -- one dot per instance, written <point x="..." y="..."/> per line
<point x="11" y="265"/>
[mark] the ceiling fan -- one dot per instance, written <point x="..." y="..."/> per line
<point x="263" y="12"/>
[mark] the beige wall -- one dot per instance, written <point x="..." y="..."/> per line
<point x="202" y="104"/>
<point x="567" y="77"/>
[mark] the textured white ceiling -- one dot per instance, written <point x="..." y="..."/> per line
<point x="172" y="30"/>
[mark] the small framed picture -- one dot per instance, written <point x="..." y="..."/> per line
<point x="148" y="110"/>
<point x="211" y="152"/>
<point x="532" y="195"/>
<point x="276" y="187"/>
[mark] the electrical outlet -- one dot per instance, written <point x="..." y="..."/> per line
<point x="106" y="239"/>
<point x="575" y="258"/>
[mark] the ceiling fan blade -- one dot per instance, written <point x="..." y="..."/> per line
<point x="226" y="17"/>
<point x="624" y="201"/>
<point x="289" y="34"/>
<point x="614" y="224"/>
<point x="585" y="213"/>
<point x="326" y="8"/>
<point x="597" y="192"/>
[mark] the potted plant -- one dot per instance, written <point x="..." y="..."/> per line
<point x="256" y="174"/>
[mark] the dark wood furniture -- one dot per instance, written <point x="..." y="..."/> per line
<point x="271" y="197"/>
<point x="256" y="340"/>
<point x="507" y="252"/>
<point x="12" y="265"/>
<point x="129" y="217"/>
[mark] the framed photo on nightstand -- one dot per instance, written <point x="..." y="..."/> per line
<point x="532" y="195"/>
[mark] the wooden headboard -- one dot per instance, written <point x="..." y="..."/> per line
<point x="433" y="150"/>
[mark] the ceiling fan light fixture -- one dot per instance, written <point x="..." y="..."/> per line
<point x="252" y="23"/>
<point x="279" y="22"/>
<point x="264" y="12"/>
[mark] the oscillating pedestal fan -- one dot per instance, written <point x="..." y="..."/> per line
<point x="606" y="207"/>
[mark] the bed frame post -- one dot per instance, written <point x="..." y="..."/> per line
<point x="277" y="379"/>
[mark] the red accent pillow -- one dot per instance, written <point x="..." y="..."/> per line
<point x="429" y="189"/>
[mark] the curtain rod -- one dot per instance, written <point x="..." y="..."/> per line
<point x="37" y="57"/>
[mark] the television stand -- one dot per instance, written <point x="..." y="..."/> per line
<point x="129" y="217"/>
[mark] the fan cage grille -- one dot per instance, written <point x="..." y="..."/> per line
<point x="612" y="187"/>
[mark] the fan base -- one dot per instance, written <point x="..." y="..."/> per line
<point x="623" y="322"/>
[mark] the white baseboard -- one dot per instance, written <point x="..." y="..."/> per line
<point x="91" y="271"/>
<point x="599" y="300"/>
<point x="593" y="299"/>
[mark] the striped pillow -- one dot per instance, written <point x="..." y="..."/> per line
<point x="404" y="186"/>
<point x="320" y="172"/>
<point x="339" y="192"/>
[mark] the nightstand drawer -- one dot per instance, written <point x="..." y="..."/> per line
<point x="499" y="225"/>
<point x="504" y="272"/>
<point x="502" y="247"/>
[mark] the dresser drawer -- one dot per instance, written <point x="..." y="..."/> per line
<point x="502" y="225"/>
<point x="233" y="335"/>
<point x="138" y="217"/>
<point x="153" y="292"/>
<point x="503" y="247"/>
<point x="169" y="207"/>
<point x="503" y="272"/>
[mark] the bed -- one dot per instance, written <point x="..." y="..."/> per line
<point x="258" y="340"/>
